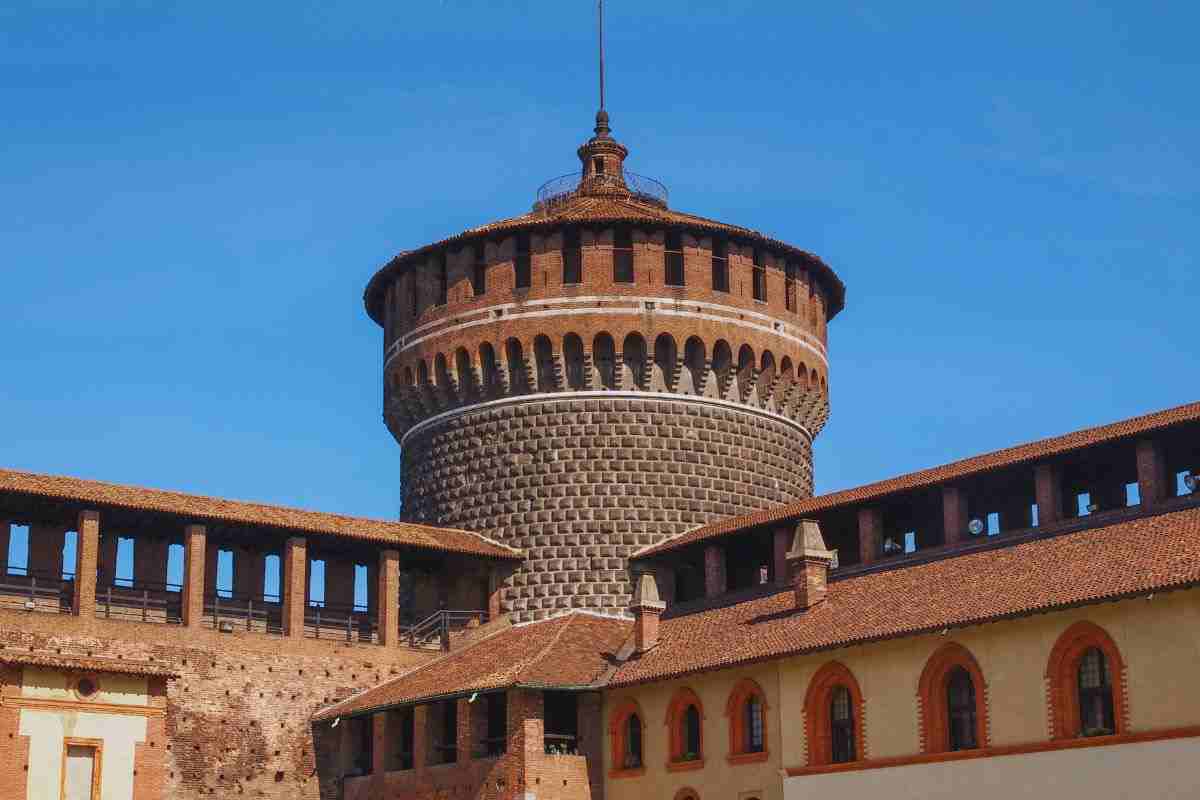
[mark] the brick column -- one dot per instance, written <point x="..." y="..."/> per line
<point x="1152" y="473"/>
<point x="379" y="743"/>
<point x="46" y="548"/>
<point x="531" y="722"/>
<point x="465" y="711"/>
<point x="954" y="514"/>
<point x="870" y="534"/>
<point x="87" y="552"/>
<point x="590" y="724"/>
<point x="782" y="541"/>
<point x="294" y="586"/>
<point x="388" y="590"/>
<point x="5" y="542"/>
<point x="108" y="558"/>
<point x="420" y="743"/>
<point x="1048" y="489"/>
<point x="715" y="582"/>
<point x="195" y="543"/>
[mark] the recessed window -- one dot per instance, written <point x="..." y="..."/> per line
<point x="598" y="165"/>
<point x="479" y="269"/>
<point x="1095" y="694"/>
<point x="720" y="265"/>
<point x="760" y="277"/>
<point x="960" y="704"/>
<point x="789" y="286"/>
<point x="572" y="257"/>
<point x="86" y="687"/>
<point x="524" y="262"/>
<point x="623" y="255"/>
<point x="673" y="260"/>
<point x="841" y="719"/>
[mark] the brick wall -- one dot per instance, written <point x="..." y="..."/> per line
<point x="237" y="718"/>
<point x="581" y="484"/>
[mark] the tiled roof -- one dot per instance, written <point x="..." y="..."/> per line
<point x="603" y="208"/>
<point x="957" y="470"/>
<point x="576" y="650"/>
<point x="83" y="663"/>
<point x="1147" y="554"/>
<point x="200" y="509"/>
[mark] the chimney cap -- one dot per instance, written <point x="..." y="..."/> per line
<point x="808" y="543"/>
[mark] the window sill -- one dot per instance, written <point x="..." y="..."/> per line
<point x="575" y="285"/>
<point x="748" y="758"/>
<point x="685" y="766"/>
<point x="627" y="773"/>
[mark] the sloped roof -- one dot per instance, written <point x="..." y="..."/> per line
<point x="956" y="470"/>
<point x="602" y="208"/>
<point x="83" y="663"/>
<point x="1146" y="554"/>
<point x="576" y="650"/>
<point x="201" y="508"/>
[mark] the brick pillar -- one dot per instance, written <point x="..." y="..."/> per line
<point x="379" y="743"/>
<point x="108" y="558"/>
<point x="954" y="514"/>
<point x="339" y="582"/>
<point x="1048" y="489"/>
<point x="714" y="571"/>
<point x="782" y="541"/>
<point x="87" y="552"/>
<point x="388" y="591"/>
<point x="531" y="724"/>
<point x="495" y="593"/>
<point x="150" y="560"/>
<point x="465" y="711"/>
<point x="249" y="567"/>
<point x="294" y="586"/>
<point x="46" y="549"/>
<point x="420" y="738"/>
<point x="1152" y="473"/>
<point x="870" y="534"/>
<point x="5" y="542"/>
<point x="590" y="724"/>
<point x="195" y="543"/>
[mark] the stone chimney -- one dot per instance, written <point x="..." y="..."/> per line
<point x="809" y="562"/>
<point x="646" y="609"/>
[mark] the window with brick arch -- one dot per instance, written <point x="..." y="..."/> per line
<point x="1087" y="685"/>
<point x="746" y="711"/>
<point x="953" y="701"/>
<point x="685" y="723"/>
<point x="833" y="716"/>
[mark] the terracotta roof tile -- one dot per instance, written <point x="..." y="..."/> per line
<point x="571" y="651"/>
<point x="957" y="470"/>
<point x="200" y="508"/>
<point x="83" y="663"/>
<point x="1143" y="555"/>
<point x="603" y="208"/>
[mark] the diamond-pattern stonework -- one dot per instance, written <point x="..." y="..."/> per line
<point x="581" y="484"/>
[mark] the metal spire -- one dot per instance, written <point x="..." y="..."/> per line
<point x="602" y="129"/>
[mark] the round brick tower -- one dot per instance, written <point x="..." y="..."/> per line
<point x="600" y="374"/>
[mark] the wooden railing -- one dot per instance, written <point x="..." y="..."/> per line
<point x="36" y="590"/>
<point x="143" y="601"/>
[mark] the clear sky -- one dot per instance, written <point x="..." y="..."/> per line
<point x="193" y="196"/>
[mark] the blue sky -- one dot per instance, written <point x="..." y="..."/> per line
<point x="194" y="196"/>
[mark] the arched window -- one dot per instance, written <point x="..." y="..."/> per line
<point x="687" y="793"/>
<point x="833" y="711"/>
<point x="633" y="357"/>
<point x="684" y="722"/>
<point x="747" y="712"/>
<point x="573" y="356"/>
<point x="722" y="363"/>
<point x="960" y="709"/>
<point x="745" y="370"/>
<point x="1087" y="684"/>
<point x="514" y="357"/>
<point x="953" y="701"/>
<point x="408" y="376"/>
<point x="693" y="357"/>
<point x="422" y="373"/>
<point x="625" y="737"/>
<point x="664" y="362"/>
<point x="462" y="367"/>
<point x="441" y="371"/>
<point x="603" y="356"/>
<point x="487" y="367"/>
<point x="543" y="354"/>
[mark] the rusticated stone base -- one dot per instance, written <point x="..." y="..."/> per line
<point x="581" y="483"/>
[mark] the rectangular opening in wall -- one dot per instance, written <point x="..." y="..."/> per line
<point x="598" y="165"/>
<point x="1083" y="504"/>
<point x="789" y="286"/>
<point x="175" y="568"/>
<point x="623" y="255"/>
<point x="760" y="278"/>
<point x="1181" y="488"/>
<point x="572" y="257"/>
<point x="1133" y="495"/>
<point x="17" y="557"/>
<point x="361" y="596"/>
<point x="361" y="745"/>
<point x="1033" y="515"/>
<point x="316" y="582"/>
<point x="993" y="523"/>
<point x="399" y="738"/>
<point x="70" y="543"/>
<point x="523" y="264"/>
<point x="224" y="587"/>
<point x="444" y="741"/>
<point x="478" y="269"/>
<point x="673" y="259"/>
<point x="562" y="722"/>
<point x="720" y="265"/>
<point x="123" y="576"/>
<point x="910" y="542"/>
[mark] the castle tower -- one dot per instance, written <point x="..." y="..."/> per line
<point x="600" y="374"/>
